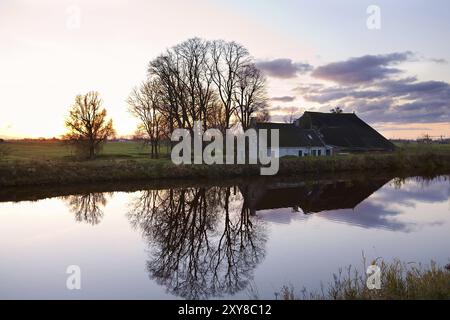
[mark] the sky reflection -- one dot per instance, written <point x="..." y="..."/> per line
<point x="217" y="242"/>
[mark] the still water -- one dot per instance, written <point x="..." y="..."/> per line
<point x="201" y="241"/>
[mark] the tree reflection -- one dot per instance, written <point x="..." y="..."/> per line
<point x="203" y="242"/>
<point x="87" y="207"/>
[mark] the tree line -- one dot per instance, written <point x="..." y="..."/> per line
<point x="215" y="83"/>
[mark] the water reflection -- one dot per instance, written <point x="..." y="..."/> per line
<point x="350" y="201"/>
<point x="419" y="189"/>
<point x="311" y="196"/>
<point x="207" y="241"/>
<point x="203" y="242"/>
<point x="87" y="207"/>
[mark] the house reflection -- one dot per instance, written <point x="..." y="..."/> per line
<point x="346" y="201"/>
<point x="310" y="196"/>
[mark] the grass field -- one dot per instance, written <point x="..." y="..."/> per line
<point x="53" y="163"/>
<point x="56" y="150"/>
<point x="416" y="147"/>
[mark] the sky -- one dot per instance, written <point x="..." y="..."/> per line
<point x="316" y="55"/>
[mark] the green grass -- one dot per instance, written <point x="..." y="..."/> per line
<point x="399" y="281"/>
<point x="56" y="150"/>
<point x="417" y="147"/>
<point x="51" y="162"/>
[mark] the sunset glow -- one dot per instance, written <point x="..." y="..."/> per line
<point x="50" y="54"/>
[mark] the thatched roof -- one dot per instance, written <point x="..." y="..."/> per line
<point x="292" y="136"/>
<point x="345" y="130"/>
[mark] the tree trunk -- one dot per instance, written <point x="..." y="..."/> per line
<point x="91" y="150"/>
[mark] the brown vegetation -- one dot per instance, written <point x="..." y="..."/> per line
<point x="88" y="128"/>
<point x="17" y="173"/>
<point x="399" y="281"/>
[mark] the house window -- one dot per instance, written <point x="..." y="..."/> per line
<point x="328" y="152"/>
<point x="314" y="152"/>
<point x="319" y="152"/>
<point x="300" y="153"/>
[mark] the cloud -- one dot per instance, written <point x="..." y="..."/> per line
<point x="280" y="114"/>
<point x="402" y="100"/>
<point x="324" y="94"/>
<point x="439" y="60"/>
<point x="370" y="85"/>
<point x="396" y="128"/>
<point x="363" y="69"/>
<point x="283" y="99"/>
<point x="283" y="68"/>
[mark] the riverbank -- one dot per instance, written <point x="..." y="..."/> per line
<point x="66" y="171"/>
<point x="398" y="281"/>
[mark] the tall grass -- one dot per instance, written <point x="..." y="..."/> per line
<point x="399" y="281"/>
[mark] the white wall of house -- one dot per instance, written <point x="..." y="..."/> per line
<point x="313" y="151"/>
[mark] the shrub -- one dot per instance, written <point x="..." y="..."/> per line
<point x="399" y="281"/>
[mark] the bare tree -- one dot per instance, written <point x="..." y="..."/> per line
<point x="291" y="115"/>
<point x="215" y="82"/>
<point x="186" y="82"/>
<point x="88" y="128"/>
<point x="228" y="61"/>
<point x="217" y="116"/>
<point x="263" y="116"/>
<point x="145" y="103"/>
<point x="250" y="96"/>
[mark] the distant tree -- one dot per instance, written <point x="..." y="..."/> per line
<point x="263" y="116"/>
<point x="337" y="110"/>
<point x="145" y="103"/>
<point x="291" y="116"/>
<point x="425" y="139"/>
<point x="87" y="125"/>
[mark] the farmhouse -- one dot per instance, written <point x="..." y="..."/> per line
<point x="295" y="141"/>
<point x="322" y="134"/>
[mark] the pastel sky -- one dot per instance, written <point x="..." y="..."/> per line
<point x="316" y="55"/>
